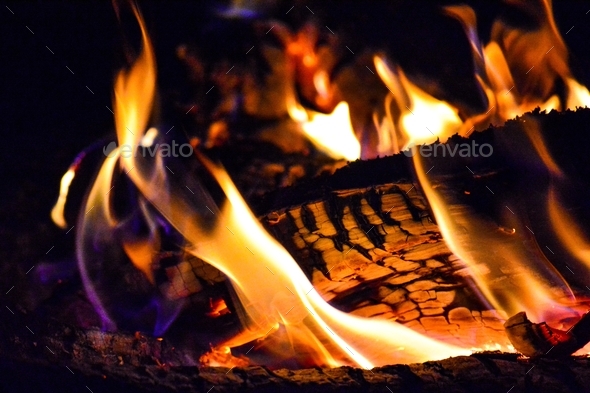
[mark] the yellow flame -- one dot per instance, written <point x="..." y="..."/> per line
<point x="331" y="133"/>
<point x="568" y="232"/>
<point x="428" y="118"/>
<point x="134" y="93"/>
<point x="57" y="213"/>
<point x="578" y="95"/>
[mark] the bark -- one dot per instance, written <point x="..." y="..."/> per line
<point x="59" y="357"/>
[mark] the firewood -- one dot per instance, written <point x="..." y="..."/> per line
<point x="428" y="300"/>
<point x="66" y="358"/>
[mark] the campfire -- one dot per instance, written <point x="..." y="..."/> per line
<point x="432" y="249"/>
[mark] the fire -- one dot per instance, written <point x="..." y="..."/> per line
<point x="271" y="291"/>
<point x="419" y="118"/>
<point x="566" y="229"/>
<point x="331" y="133"/>
<point x="271" y="288"/>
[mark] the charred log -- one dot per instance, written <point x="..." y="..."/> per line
<point x="66" y="358"/>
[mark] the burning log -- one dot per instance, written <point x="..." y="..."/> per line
<point x="107" y="362"/>
<point x="540" y="339"/>
<point x="85" y="353"/>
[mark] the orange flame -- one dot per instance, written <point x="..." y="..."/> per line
<point x="271" y="287"/>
